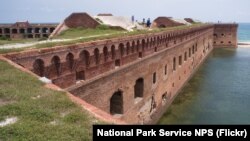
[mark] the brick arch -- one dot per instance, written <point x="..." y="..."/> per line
<point x="84" y="58"/>
<point x="151" y="43"/>
<point x="138" y="46"/>
<point x="14" y="31"/>
<point x="133" y="47"/>
<point x="55" y="66"/>
<point x="139" y="88"/>
<point x="39" y="67"/>
<point x="121" y="50"/>
<point x="154" y="43"/>
<point x="128" y="49"/>
<point x="143" y="44"/>
<point x="147" y="43"/>
<point x="97" y="56"/>
<point x="116" y="103"/>
<point x="70" y="61"/>
<point x="113" y="52"/>
<point x="158" y="40"/>
<point x="105" y="54"/>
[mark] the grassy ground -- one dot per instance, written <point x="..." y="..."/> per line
<point x="43" y="114"/>
<point x="90" y="32"/>
<point x="81" y="32"/>
<point x="3" y="42"/>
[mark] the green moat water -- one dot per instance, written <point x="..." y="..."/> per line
<point x="219" y="93"/>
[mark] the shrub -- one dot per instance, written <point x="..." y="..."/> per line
<point x="4" y="38"/>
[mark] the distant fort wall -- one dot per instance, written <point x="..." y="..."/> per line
<point x="225" y="35"/>
<point x="133" y="78"/>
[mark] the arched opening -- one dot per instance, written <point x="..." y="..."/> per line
<point x="185" y="56"/>
<point x="138" y="46"/>
<point x="139" y="88"/>
<point x="143" y="45"/>
<point x="128" y="48"/>
<point x="154" y="41"/>
<point x="133" y="47"/>
<point x="97" y="56"/>
<point x="45" y="30"/>
<point x="80" y="75"/>
<point x="180" y="60"/>
<point x="222" y="42"/>
<point x="84" y="58"/>
<point x="117" y="63"/>
<point x="7" y="31"/>
<point x="189" y="52"/>
<point x="151" y="43"/>
<point x="37" y="36"/>
<point x="193" y="50"/>
<point x="116" y="103"/>
<point x="121" y="49"/>
<point x="166" y="70"/>
<point x="51" y="29"/>
<point x="147" y="44"/>
<point x="22" y="31"/>
<point x="30" y="36"/>
<point x="113" y="52"/>
<point x="56" y="65"/>
<point x="1" y="31"/>
<point x="158" y="40"/>
<point x="29" y="30"/>
<point x="70" y="61"/>
<point x="174" y="64"/>
<point x="45" y="35"/>
<point x="37" y="30"/>
<point x="154" y="77"/>
<point x="105" y="54"/>
<point x="14" y="31"/>
<point x="228" y="42"/>
<point x="38" y="67"/>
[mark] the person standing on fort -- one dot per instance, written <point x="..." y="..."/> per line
<point x="148" y="22"/>
<point x="133" y="19"/>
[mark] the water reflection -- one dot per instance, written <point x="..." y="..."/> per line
<point x="219" y="93"/>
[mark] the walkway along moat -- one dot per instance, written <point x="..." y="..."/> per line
<point x="219" y="92"/>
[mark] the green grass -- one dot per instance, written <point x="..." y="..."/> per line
<point x="81" y="32"/>
<point x="43" y="114"/>
<point x="3" y="42"/>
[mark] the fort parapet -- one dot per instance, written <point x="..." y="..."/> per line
<point x="225" y="35"/>
<point x="132" y="78"/>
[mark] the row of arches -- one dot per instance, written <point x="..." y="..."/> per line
<point x="115" y="53"/>
<point x="26" y="30"/>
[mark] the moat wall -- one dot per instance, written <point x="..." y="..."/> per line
<point x="133" y="78"/>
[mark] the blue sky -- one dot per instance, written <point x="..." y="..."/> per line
<point x="57" y="10"/>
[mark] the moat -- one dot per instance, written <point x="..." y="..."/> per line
<point x="219" y="92"/>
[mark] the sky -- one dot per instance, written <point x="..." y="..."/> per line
<point x="47" y="11"/>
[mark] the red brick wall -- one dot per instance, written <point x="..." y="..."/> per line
<point x="99" y="91"/>
<point x="165" y="22"/>
<point x="80" y="20"/>
<point x="225" y="35"/>
<point x="104" y="79"/>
